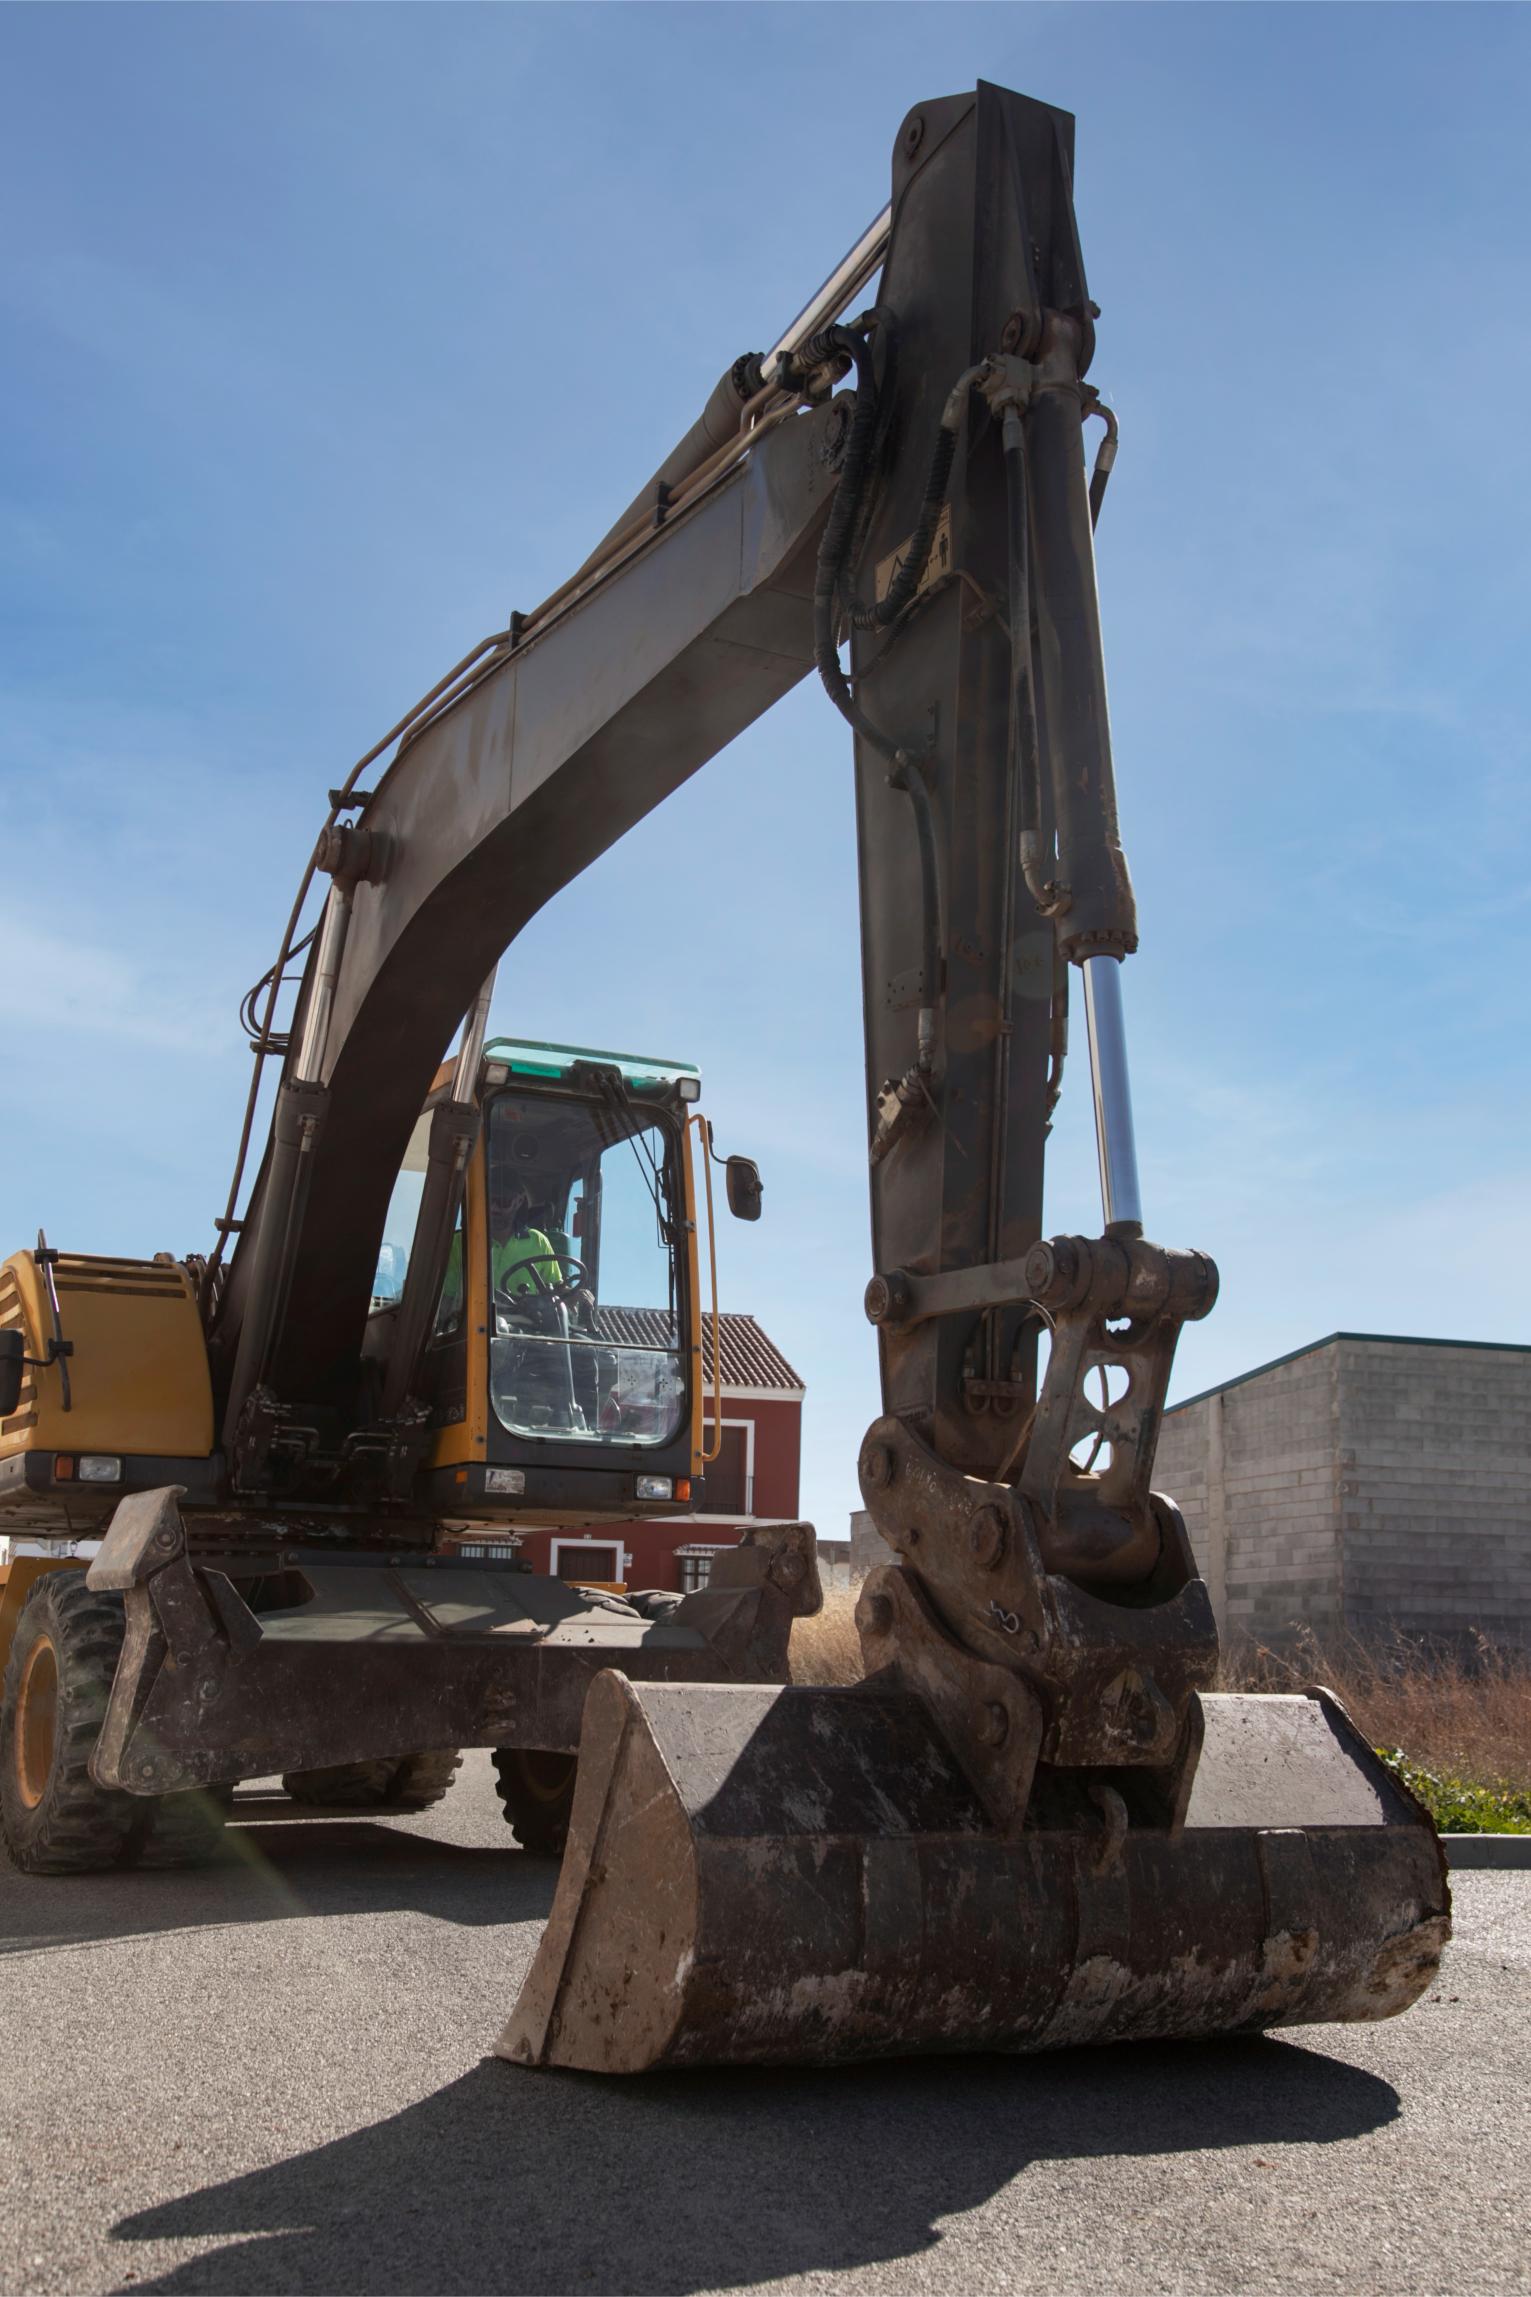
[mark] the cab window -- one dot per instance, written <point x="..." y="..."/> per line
<point x="585" y="1222"/>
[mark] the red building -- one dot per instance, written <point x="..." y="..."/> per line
<point x="754" y="1479"/>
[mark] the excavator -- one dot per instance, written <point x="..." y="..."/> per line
<point x="1034" y="1822"/>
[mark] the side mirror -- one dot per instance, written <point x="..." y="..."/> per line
<point x="742" y="1179"/>
<point x="13" y="1349"/>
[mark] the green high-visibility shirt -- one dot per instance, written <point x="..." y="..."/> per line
<point x="508" y="1260"/>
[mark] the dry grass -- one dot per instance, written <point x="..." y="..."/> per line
<point x="1465" y="1714"/>
<point x="826" y="1648"/>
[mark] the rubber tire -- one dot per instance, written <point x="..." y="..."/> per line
<point x="410" y="1782"/>
<point x="536" y="1791"/>
<point x="76" y="1827"/>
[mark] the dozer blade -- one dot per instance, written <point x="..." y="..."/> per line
<point x="377" y="1655"/>
<point x="804" y="1875"/>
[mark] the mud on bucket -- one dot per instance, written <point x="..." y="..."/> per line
<point x="799" y="1875"/>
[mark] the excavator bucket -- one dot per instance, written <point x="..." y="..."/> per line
<point x="806" y="1875"/>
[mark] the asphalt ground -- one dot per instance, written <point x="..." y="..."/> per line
<point x="272" y="2075"/>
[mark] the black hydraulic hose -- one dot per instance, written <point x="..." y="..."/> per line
<point x="853" y="470"/>
<point x="907" y="580"/>
<point x="1025" y="739"/>
<point x="903" y="773"/>
<point x="1023" y="700"/>
<point x="1104" y="460"/>
<point x="906" y="776"/>
<point x="1098" y="479"/>
<point x="249" y="1019"/>
<point x="911" y="573"/>
<point x="1058" y="1035"/>
<point x="835" y="543"/>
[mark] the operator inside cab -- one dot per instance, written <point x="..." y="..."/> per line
<point x="515" y="1245"/>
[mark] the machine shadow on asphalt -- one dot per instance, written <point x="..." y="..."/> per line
<point x="508" y="2181"/>
<point x="278" y="1872"/>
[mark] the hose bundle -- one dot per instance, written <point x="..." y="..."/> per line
<point x="834" y="548"/>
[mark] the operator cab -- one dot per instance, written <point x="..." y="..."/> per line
<point x="563" y="1372"/>
<point x="587" y="1257"/>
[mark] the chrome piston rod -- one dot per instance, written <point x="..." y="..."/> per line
<point x="308" y="1068"/>
<point x="719" y="420"/>
<point x="1115" y="1144"/>
<point x="847" y="279"/>
<point x="470" y="1050"/>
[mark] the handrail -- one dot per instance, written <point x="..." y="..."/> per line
<point x="58" y="1350"/>
<point x="705" y="1129"/>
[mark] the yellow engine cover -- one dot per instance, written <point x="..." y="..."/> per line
<point x="138" y="1376"/>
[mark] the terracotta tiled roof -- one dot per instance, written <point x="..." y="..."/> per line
<point x="751" y="1359"/>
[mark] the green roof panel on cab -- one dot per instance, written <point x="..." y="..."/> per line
<point x="526" y="1058"/>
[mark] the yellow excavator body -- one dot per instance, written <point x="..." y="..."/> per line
<point x="138" y="1377"/>
<point x="131" y="1403"/>
<point x="136" y="1409"/>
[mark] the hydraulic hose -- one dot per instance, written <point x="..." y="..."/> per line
<point x="840" y="524"/>
<point x="1023" y="698"/>
<point x="835" y="542"/>
<point x="906" y="581"/>
<point x="903" y="772"/>
<point x="1104" y="460"/>
<point x="906" y="776"/>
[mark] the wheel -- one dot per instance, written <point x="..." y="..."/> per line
<point x="410" y="1782"/>
<point x="536" y="1789"/>
<point x="55" y="1817"/>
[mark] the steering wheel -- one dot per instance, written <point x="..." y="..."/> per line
<point x="561" y="1285"/>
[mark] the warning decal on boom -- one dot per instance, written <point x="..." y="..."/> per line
<point x="937" y="566"/>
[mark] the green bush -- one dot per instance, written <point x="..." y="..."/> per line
<point x="1458" y="1806"/>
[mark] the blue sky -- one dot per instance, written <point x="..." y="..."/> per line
<point x="331" y="335"/>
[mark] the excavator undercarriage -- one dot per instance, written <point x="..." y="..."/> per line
<point x="1035" y="1821"/>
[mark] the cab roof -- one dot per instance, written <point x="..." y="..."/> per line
<point x="525" y="1057"/>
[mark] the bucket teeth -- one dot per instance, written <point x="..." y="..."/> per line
<point x="804" y="1875"/>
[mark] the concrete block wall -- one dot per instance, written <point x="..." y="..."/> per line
<point x="1435" y="1486"/>
<point x="1365" y="1482"/>
<point x="868" y="1549"/>
<point x="1254" y="1466"/>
